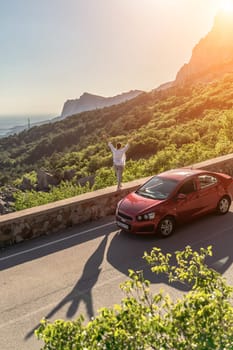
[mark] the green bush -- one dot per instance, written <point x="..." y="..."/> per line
<point x="202" y="319"/>
<point x="29" y="199"/>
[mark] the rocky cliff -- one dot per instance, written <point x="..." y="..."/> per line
<point x="88" y="102"/>
<point x="213" y="55"/>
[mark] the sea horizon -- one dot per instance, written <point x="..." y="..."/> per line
<point x="9" y="122"/>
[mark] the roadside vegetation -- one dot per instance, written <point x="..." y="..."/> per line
<point x="201" y="319"/>
<point x="166" y="129"/>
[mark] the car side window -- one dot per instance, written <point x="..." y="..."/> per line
<point x="187" y="187"/>
<point x="206" y="180"/>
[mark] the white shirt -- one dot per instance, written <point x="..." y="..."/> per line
<point x="118" y="154"/>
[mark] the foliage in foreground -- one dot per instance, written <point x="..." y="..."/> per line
<point x="201" y="319"/>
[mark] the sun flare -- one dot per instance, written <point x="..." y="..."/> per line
<point x="226" y="6"/>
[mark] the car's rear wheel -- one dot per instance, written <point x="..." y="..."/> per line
<point x="223" y="205"/>
<point x="166" y="226"/>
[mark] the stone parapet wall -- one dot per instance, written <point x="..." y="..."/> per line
<point x="56" y="216"/>
<point x="222" y="164"/>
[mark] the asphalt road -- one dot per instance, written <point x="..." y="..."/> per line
<point x="79" y="271"/>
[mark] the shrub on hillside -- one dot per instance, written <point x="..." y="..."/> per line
<point x="201" y="319"/>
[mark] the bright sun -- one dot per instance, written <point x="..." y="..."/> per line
<point x="227" y="5"/>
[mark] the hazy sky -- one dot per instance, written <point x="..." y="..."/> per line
<point x="54" y="50"/>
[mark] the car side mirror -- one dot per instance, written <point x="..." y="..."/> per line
<point x="181" y="196"/>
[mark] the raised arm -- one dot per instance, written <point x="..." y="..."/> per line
<point x="111" y="146"/>
<point x="126" y="147"/>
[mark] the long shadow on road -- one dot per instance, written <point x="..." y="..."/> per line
<point x="82" y="291"/>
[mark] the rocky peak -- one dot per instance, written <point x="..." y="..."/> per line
<point x="88" y="102"/>
<point x="213" y="55"/>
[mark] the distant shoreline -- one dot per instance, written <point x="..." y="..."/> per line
<point x="13" y="124"/>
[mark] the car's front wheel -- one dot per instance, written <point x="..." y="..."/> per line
<point x="166" y="226"/>
<point x="223" y="205"/>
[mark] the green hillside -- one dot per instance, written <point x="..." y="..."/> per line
<point x="165" y="129"/>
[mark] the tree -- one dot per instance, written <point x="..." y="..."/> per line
<point x="202" y="319"/>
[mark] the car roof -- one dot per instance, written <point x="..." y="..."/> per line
<point x="181" y="173"/>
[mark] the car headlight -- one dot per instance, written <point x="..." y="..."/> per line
<point x="147" y="216"/>
<point x="117" y="206"/>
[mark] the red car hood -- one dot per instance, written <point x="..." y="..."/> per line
<point x="134" y="204"/>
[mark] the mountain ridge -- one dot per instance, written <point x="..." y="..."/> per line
<point x="212" y="55"/>
<point x="88" y="102"/>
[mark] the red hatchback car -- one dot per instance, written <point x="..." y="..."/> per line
<point x="174" y="196"/>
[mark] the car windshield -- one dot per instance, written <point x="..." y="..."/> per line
<point x="157" y="188"/>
